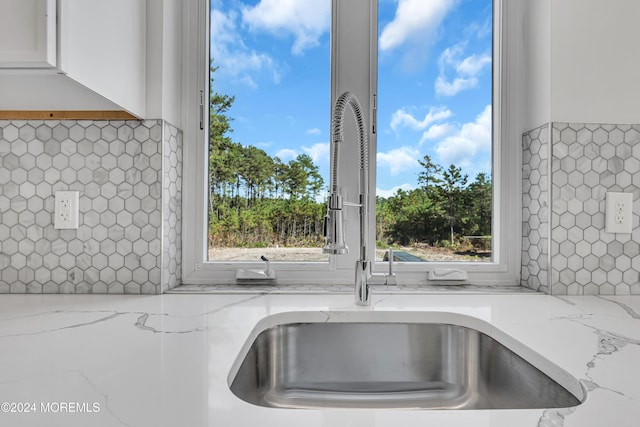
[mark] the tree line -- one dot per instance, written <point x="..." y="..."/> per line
<point x="445" y="210"/>
<point x="258" y="200"/>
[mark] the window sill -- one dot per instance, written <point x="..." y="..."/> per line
<point x="346" y="289"/>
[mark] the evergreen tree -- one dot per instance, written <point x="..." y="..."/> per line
<point x="429" y="177"/>
<point x="222" y="162"/>
<point x="454" y="183"/>
<point x="480" y="197"/>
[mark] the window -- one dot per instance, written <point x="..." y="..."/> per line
<point x="269" y="140"/>
<point x="434" y="130"/>
<point x="355" y="54"/>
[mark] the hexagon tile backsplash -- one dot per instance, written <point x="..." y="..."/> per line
<point x="566" y="250"/>
<point x="129" y="175"/>
<point x="535" y="209"/>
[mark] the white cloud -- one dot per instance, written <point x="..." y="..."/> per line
<point x="264" y="144"/>
<point x="314" y="131"/>
<point x="465" y="70"/>
<point x="385" y="194"/>
<point x="415" y="21"/>
<point x="471" y="140"/>
<point x="437" y="131"/>
<point x="447" y="88"/>
<point x="399" y="159"/>
<point x="306" y="20"/>
<point x="473" y="64"/>
<point x="480" y="29"/>
<point x="248" y="81"/>
<point x="286" y="154"/>
<point x="233" y="57"/>
<point x="318" y="152"/>
<point x="402" y="118"/>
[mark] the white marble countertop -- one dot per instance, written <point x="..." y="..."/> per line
<point x="83" y="360"/>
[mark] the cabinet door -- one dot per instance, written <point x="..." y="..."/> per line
<point x="103" y="47"/>
<point x="27" y="33"/>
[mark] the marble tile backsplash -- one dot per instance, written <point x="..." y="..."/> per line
<point x="587" y="161"/>
<point x="172" y="210"/>
<point x="128" y="175"/>
<point x="535" y="209"/>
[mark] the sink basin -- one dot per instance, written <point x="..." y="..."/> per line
<point x="422" y="365"/>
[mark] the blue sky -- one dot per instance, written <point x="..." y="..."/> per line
<point x="434" y="81"/>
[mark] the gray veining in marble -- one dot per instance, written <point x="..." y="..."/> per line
<point x="633" y="313"/>
<point x="555" y="417"/>
<point x="607" y="343"/>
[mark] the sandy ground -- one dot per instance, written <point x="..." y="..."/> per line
<point x="315" y="254"/>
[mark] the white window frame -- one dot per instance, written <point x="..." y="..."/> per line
<point x="507" y="231"/>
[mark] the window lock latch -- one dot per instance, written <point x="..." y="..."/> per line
<point x="201" y="110"/>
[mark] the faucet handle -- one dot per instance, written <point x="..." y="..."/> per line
<point x="391" y="276"/>
<point x="267" y="270"/>
<point x="267" y="275"/>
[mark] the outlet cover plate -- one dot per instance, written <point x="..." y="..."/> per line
<point x="66" y="210"/>
<point x="619" y="213"/>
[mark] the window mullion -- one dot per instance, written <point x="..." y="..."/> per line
<point x="354" y="69"/>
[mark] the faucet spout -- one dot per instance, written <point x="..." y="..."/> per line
<point x="363" y="292"/>
<point x="333" y="222"/>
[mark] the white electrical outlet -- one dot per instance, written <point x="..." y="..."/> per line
<point x="619" y="212"/>
<point x="66" y="210"/>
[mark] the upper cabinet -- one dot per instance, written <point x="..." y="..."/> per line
<point x="27" y="33"/>
<point x="103" y="47"/>
<point x="89" y="55"/>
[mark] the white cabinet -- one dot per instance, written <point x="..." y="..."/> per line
<point x="100" y="62"/>
<point x="103" y="47"/>
<point x="27" y="33"/>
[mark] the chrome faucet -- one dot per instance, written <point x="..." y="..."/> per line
<point x="333" y="221"/>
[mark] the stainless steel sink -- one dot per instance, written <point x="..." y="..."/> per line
<point x="391" y="365"/>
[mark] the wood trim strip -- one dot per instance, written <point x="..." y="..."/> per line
<point x="65" y="115"/>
